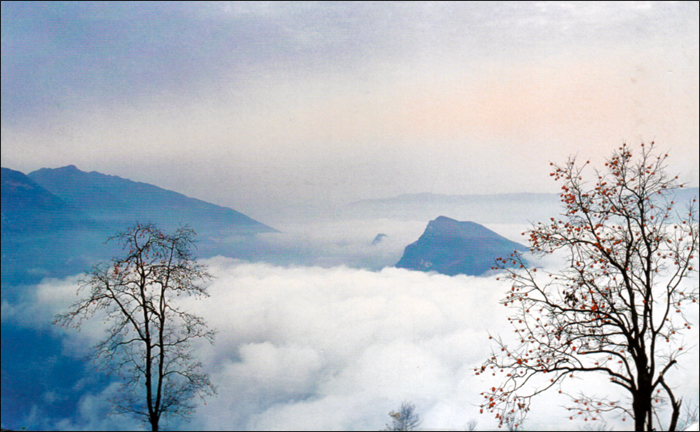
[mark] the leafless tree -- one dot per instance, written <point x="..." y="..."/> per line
<point x="148" y="341"/>
<point x="471" y="425"/>
<point x="406" y="419"/>
<point x="512" y="422"/>
<point x="616" y="309"/>
<point x="690" y="416"/>
<point x="601" y="426"/>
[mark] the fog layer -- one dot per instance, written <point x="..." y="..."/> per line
<point x="338" y="348"/>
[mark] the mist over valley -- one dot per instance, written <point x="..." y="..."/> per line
<point x="313" y="316"/>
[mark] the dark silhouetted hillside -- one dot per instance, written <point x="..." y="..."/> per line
<point x="55" y="222"/>
<point x="28" y="206"/>
<point x="120" y="202"/>
<point x="451" y="247"/>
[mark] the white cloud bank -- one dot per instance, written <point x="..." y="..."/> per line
<point x="313" y="348"/>
<point x="338" y="348"/>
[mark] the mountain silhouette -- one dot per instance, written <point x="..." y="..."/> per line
<point x="378" y="239"/>
<point x="120" y="202"/>
<point x="42" y="234"/>
<point x="451" y="247"/>
<point x="55" y="222"/>
<point x="28" y="206"/>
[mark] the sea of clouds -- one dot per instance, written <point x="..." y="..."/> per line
<point x="310" y="347"/>
<point x="348" y="242"/>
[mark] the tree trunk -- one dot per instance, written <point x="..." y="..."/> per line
<point x="676" y="412"/>
<point x="641" y="406"/>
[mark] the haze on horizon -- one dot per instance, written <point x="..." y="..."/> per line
<point x="259" y="106"/>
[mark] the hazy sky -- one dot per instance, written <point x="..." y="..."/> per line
<point x="261" y="105"/>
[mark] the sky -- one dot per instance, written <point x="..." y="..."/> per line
<point x="261" y="106"/>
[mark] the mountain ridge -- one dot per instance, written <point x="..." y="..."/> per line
<point x="55" y="222"/>
<point x="429" y="196"/>
<point x="525" y="196"/>
<point x="99" y="195"/>
<point x="494" y="208"/>
<point x="452" y="247"/>
<point x="27" y="205"/>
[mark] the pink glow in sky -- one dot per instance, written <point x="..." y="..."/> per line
<point x="258" y="106"/>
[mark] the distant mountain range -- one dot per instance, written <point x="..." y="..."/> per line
<point x="491" y="208"/>
<point x="54" y="221"/>
<point x="451" y="247"/>
<point x="116" y="201"/>
<point x="496" y="208"/>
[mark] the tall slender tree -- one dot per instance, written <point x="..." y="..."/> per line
<point x="148" y="341"/>
<point x="616" y="309"/>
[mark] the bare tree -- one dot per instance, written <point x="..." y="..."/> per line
<point x="148" y="341"/>
<point x="406" y="419"/>
<point x="616" y="309"/>
<point x="512" y="422"/>
<point x="601" y="426"/>
<point x="690" y="416"/>
<point x="471" y="425"/>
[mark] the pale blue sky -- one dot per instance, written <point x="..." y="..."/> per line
<point x="259" y="105"/>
